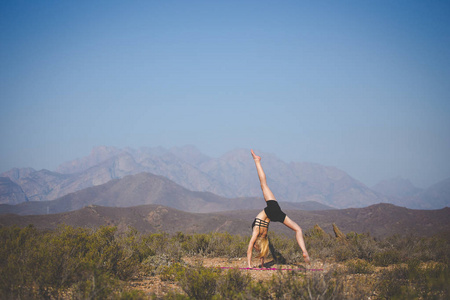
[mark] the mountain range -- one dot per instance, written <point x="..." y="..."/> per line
<point x="403" y="193"/>
<point x="153" y="203"/>
<point x="141" y="189"/>
<point x="232" y="175"/>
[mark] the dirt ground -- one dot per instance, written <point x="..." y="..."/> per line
<point x="153" y="285"/>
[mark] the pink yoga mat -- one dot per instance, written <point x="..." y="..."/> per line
<point x="273" y="269"/>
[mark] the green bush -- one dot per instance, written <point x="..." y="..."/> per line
<point x="362" y="246"/>
<point x="416" y="280"/>
<point x="157" y="242"/>
<point x="290" y="283"/>
<point x="359" y="266"/>
<point x="233" y="284"/>
<point x="286" y="247"/>
<point x="387" y="257"/>
<point x="85" y="263"/>
<point x="132" y="295"/>
<point x="18" y="246"/>
<point x="431" y="249"/>
<point x="320" y="245"/>
<point x="82" y="262"/>
<point x="296" y="285"/>
<point x="200" y="283"/>
<point x="208" y="283"/>
<point x="213" y="244"/>
<point x="173" y="296"/>
<point x="172" y="272"/>
<point x="344" y="251"/>
<point x="258" y="290"/>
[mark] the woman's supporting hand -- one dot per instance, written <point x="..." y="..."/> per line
<point x="306" y="257"/>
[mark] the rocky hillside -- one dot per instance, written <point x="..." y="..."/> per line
<point x="379" y="220"/>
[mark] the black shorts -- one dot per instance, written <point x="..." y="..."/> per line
<point x="274" y="212"/>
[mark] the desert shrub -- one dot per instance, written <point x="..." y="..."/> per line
<point x="359" y="266"/>
<point x="133" y="251"/>
<point x="395" y="249"/>
<point x="195" y="244"/>
<point x="387" y="257"/>
<point x="319" y="244"/>
<point x="64" y="258"/>
<point x="233" y="284"/>
<point x="104" y="251"/>
<point x="17" y="246"/>
<point x="398" y="248"/>
<point x="213" y="244"/>
<point x="295" y="285"/>
<point x="207" y="283"/>
<point x="356" y="245"/>
<point x="153" y="265"/>
<point x="94" y="285"/>
<point x="344" y="251"/>
<point x="204" y="283"/>
<point x="83" y="262"/>
<point x="157" y="242"/>
<point x="323" y="286"/>
<point x="290" y="283"/>
<point x="431" y="249"/>
<point x="364" y="244"/>
<point x="132" y="295"/>
<point x="171" y="295"/>
<point x="416" y="280"/>
<point x="258" y="290"/>
<point x="200" y="283"/>
<point x="165" y="250"/>
<point x="286" y="248"/>
<point x="172" y="272"/>
<point x="116" y="254"/>
<point x="225" y="244"/>
<point x="200" y="244"/>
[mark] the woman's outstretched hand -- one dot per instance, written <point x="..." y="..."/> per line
<point x="255" y="157"/>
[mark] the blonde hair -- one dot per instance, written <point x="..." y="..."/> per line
<point x="263" y="245"/>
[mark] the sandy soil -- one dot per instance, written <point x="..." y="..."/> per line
<point x="154" y="285"/>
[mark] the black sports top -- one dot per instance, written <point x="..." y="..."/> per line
<point x="260" y="223"/>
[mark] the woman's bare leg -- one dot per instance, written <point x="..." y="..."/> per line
<point x="298" y="235"/>
<point x="267" y="193"/>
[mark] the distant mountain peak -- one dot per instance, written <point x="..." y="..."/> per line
<point x="98" y="155"/>
<point x="10" y="192"/>
<point x="396" y="187"/>
<point x="190" y="154"/>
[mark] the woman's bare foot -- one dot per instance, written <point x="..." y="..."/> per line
<point x="255" y="157"/>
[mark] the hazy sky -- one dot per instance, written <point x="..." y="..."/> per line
<point x="360" y="85"/>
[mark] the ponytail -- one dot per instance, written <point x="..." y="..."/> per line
<point x="263" y="245"/>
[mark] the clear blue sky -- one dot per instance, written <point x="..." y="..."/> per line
<point x="360" y="85"/>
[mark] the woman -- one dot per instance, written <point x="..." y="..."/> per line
<point x="272" y="212"/>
